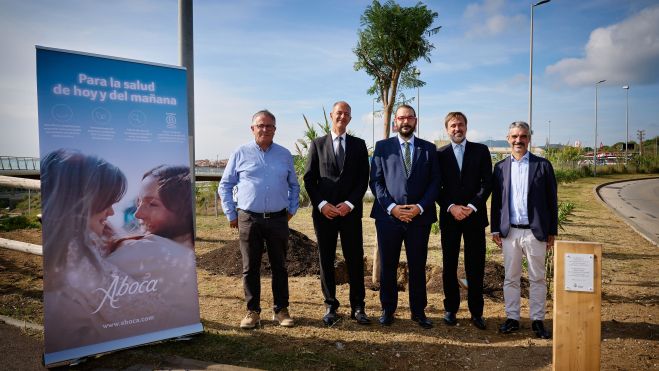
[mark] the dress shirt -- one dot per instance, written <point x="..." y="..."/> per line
<point x="265" y="181"/>
<point x="335" y="141"/>
<point x="455" y="152"/>
<point x="402" y="147"/>
<point x="519" y="189"/>
<point x="335" y="144"/>
<point x="402" y="141"/>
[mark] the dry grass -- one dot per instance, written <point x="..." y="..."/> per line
<point x="629" y="311"/>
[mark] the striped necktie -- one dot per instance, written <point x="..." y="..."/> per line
<point x="407" y="159"/>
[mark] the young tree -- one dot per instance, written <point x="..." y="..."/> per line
<point x="392" y="38"/>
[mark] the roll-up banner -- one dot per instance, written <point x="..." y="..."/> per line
<point x="117" y="204"/>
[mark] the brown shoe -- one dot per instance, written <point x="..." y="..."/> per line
<point x="283" y="318"/>
<point x="251" y="320"/>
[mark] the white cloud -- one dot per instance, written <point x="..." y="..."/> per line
<point x="626" y="52"/>
<point x="487" y="19"/>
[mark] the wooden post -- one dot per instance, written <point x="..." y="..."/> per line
<point x="21" y="246"/>
<point x="14" y="182"/>
<point x="577" y="314"/>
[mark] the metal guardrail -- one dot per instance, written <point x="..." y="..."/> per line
<point x="29" y="167"/>
<point x="19" y="163"/>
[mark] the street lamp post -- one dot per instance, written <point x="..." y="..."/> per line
<point x="549" y="135"/>
<point x="595" y="144"/>
<point x="626" y="87"/>
<point x="531" y="73"/>
<point x="417" y="73"/>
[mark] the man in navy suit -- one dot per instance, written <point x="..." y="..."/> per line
<point x="466" y="169"/>
<point x="524" y="222"/>
<point x="336" y="178"/>
<point x="405" y="181"/>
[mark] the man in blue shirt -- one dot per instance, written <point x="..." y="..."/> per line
<point x="266" y="198"/>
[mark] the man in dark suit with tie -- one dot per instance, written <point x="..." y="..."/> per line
<point x="405" y="181"/>
<point x="336" y="178"/>
<point x="524" y="222"/>
<point x="466" y="169"/>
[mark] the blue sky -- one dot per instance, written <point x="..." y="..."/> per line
<point x="295" y="57"/>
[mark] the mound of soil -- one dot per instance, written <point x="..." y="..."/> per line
<point x="302" y="258"/>
<point x="492" y="281"/>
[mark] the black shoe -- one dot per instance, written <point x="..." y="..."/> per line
<point x="479" y="322"/>
<point x="387" y="318"/>
<point x="450" y="319"/>
<point x="539" y="329"/>
<point x="330" y="318"/>
<point x="360" y="316"/>
<point x="422" y="320"/>
<point x="509" y="326"/>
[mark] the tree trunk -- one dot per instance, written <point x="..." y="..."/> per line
<point x="388" y="102"/>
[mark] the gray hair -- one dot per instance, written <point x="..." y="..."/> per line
<point x="266" y="113"/>
<point x="520" y="125"/>
<point x="341" y="102"/>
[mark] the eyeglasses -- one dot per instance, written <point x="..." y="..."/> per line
<point x="265" y="127"/>
<point x="403" y="118"/>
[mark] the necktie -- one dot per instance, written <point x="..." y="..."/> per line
<point x="340" y="154"/>
<point x="407" y="159"/>
<point x="459" y="155"/>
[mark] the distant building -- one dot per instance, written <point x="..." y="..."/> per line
<point x="496" y="147"/>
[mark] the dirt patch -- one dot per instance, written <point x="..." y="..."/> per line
<point x="302" y="258"/>
<point x="302" y="261"/>
<point x="492" y="281"/>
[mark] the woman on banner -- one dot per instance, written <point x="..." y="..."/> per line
<point x="165" y="252"/>
<point x="81" y="302"/>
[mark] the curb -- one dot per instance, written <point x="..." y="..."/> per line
<point x="596" y="190"/>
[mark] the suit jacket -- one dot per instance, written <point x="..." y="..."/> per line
<point x="390" y="185"/>
<point x="324" y="181"/>
<point x="472" y="185"/>
<point x="542" y="201"/>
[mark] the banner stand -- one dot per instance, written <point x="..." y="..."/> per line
<point x="119" y="264"/>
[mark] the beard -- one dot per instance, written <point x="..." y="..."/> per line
<point x="457" y="138"/>
<point x="406" y="131"/>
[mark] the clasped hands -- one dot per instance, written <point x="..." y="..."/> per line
<point x="405" y="213"/>
<point x="460" y="212"/>
<point x="330" y="211"/>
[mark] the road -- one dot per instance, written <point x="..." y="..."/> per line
<point x="638" y="202"/>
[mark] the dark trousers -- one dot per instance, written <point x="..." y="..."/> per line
<point x="257" y="233"/>
<point x="474" y="261"/>
<point x="391" y="236"/>
<point x="350" y="230"/>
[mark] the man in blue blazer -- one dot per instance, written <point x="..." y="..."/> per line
<point x="524" y="222"/>
<point x="405" y="180"/>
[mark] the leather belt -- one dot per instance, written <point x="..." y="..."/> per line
<point x="274" y="214"/>
<point x="521" y="226"/>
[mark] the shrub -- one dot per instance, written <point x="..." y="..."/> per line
<point x="11" y="223"/>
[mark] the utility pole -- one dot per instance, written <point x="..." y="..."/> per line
<point x="640" y="134"/>
<point x="186" y="57"/>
